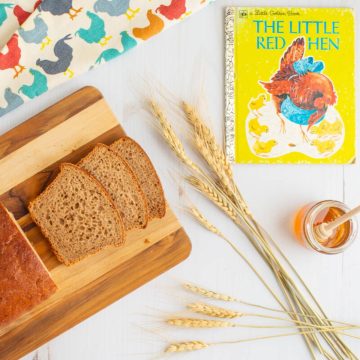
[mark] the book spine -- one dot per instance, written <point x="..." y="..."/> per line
<point x="230" y="83"/>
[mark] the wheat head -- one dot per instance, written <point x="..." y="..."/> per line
<point x="213" y="311"/>
<point x="199" y="323"/>
<point x="186" y="346"/>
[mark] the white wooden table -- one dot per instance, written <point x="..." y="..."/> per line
<point x="176" y="59"/>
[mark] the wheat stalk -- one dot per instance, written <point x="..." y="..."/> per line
<point x="213" y="195"/>
<point x="211" y="294"/>
<point x="213" y="311"/>
<point x="208" y="293"/>
<point x="199" y="323"/>
<point x="189" y="322"/>
<point x="204" y="132"/>
<point x="186" y="346"/>
<point x="171" y="138"/>
<point x="200" y="345"/>
<point x="225" y="184"/>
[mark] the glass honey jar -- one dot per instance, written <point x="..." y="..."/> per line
<point x="311" y="216"/>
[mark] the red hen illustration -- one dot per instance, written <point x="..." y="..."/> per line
<point x="300" y="80"/>
<point x="174" y="10"/>
<point x="11" y="59"/>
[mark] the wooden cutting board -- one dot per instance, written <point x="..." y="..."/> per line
<point x="29" y="159"/>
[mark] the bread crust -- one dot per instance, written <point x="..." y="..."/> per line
<point x="125" y="139"/>
<point x="118" y="219"/>
<point x="24" y="280"/>
<point x="131" y="173"/>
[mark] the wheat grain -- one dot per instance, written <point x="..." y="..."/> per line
<point x="199" y="323"/>
<point x="186" y="346"/>
<point x="208" y="293"/>
<point x="214" y="311"/>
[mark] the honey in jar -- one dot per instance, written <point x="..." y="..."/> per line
<point x="315" y="214"/>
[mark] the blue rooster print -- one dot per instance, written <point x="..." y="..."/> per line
<point x="13" y="101"/>
<point x="37" y="35"/>
<point x="3" y="13"/>
<point x="60" y="7"/>
<point x="115" y="8"/>
<point x="64" y="54"/>
<point x="95" y="34"/>
<point x="127" y="43"/>
<point x="37" y="87"/>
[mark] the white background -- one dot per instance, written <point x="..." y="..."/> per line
<point x="184" y="59"/>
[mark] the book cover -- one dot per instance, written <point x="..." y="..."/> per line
<point x="290" y="85"/>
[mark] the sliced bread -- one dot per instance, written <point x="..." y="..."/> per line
<point x="24" y="280"/>
<point x="142" y="167"/>
<point x="120" y="182"/>
<point x="77" y="215"/>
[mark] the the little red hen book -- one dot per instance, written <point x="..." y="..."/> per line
<point x="290" y="90"/>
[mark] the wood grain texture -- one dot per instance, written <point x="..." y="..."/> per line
<point x="75" y="126"/>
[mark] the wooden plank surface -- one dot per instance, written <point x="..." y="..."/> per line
<point x="29" y="158"/>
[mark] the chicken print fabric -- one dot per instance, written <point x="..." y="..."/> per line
<point x="44" y="43"/>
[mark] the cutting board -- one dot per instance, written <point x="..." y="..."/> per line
<point x="29" y="158"/>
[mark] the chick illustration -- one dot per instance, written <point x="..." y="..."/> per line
<point x="37" y="87"/>
<point x="3" y="13"/>
<point x="325" y="128"/>
<point x="60" y="7"/>
<point x="256" y="128"/>
<point x="116" y="8"/>
<point x="127" y="43"/>
<point x="13" y="101"/>
<point x="325" y="146"/>
<point x="258" y="103"/>
<point x="95" y="34"/>
<point x="37" y="35"/>
<point x="64" y="54"/>
<point x="264" y="147"/>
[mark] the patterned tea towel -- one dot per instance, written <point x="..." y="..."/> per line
<point x="51" y="41"/>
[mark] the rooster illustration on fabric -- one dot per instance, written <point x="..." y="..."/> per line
<point x="116" y="8"/>
<point x="37" y="87"/>
<point x="64" y="55"/>
<point x="156" y="25"/>
<point x="38" y="34"/>
<point x="60" y="7"/>
<point x="3" y="12"/>
<point x="174" y="10"/>
<point x="127" y="43"/>
<point x="300" y="92"/>
<point x="11" y="58"/>
<point x="12" y="100"/>
<point x="95" y="34"/>
<point x="22" y="15"/>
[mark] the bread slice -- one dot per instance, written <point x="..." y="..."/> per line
<point x="77" y="215"/>
<point x="141" y="165"/>
<point x="24" y="280"/>
<point x="120" y="182"/>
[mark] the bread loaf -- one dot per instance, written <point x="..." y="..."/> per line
<point x="24" y="279"/>
<point x="142" y="167"/>
<point x="77" y="215"/>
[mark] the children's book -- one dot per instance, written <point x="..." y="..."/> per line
<point x="290" y="88"/>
